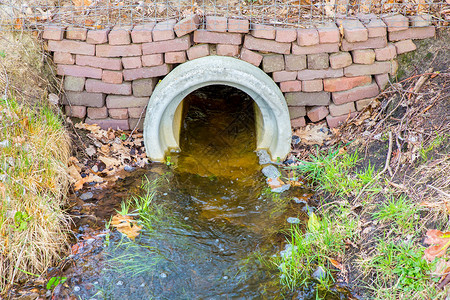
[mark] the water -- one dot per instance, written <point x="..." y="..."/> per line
<point x="213" y="221"/>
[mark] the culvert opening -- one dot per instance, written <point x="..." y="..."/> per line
<point x="218" y="133"/>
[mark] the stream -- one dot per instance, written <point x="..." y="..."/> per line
<point x="213" y="224"/>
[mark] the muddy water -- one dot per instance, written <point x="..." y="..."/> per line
<point x="213" y="223"/>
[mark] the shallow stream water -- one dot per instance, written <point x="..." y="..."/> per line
<point x="214" y="221"/>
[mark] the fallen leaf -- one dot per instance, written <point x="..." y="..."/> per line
<point x="90" y="151"/>
<point x="18" y="24"/>
<point x="274" y="183"/>
<point x="109" y="161"/>
<point x="126" y="225"/>
<point x="439" y="240"/>
<point x="336" y="264"/>
<point x="313" y="222"/>
<point x="74" y="174"/>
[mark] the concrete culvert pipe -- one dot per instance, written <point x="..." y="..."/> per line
<point x="164" y="112"/>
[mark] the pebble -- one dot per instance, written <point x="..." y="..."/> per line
<point x="281" y="189"/>
<point x="86" y="196"/>
<point x="293" y="220"/>
<point x="95" y="169"/>
<point x="295" y="139"/>
<point x="296" y="200"/>
<point x="264" y="157"/>
<point x="308" y="209"/>
<point x="319" y="273"/>
<point x="76" y="288"/>
<point x="128" y="168"/>
<point x="163" y="275"/>
<point x="120" y="282"/>
<point x="225" y="277"/>
<point x="271" y="172"/>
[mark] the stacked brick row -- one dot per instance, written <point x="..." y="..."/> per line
<point x="326" y="72"/>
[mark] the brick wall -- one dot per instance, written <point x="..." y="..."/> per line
<point x="325" y="72"/>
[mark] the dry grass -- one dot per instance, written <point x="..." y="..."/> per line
<point x="34" y="151"/>
<point x="33" y="183"/>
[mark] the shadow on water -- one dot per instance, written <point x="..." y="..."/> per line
<point x="212" y="224"/>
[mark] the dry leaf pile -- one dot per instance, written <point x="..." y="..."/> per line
<point x="108" y="157"/>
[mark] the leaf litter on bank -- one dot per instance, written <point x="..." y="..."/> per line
<point x="108" y="153"/>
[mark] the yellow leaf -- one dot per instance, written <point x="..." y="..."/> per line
<point x="126" y="225"/>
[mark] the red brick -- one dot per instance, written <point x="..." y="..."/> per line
<point x="115" y="77"/>
<point x="187" y="25"/>
<point x="334" y="122"/>
<point x="238" y="26"/>
<point x="136" y="112"/>
<point x="280" y="76"/>
<point x="296" y="111"/>
<point x="272" y="63"/>
<point x="132" y="62"/>
<point x="177" y="57"/>
<point x="142" y="33"/>
<point x="74" y="47"/>
<point x="113" y="101"/>
<point x="396" y="22"/>
<point x="216" y="23"/>
<point x="100" y="62"/>
<point x="307" y="99"/>
<point x="382" y="80"/>
<point x="118" y="113"/>
<point x="413" y="33"/>
<point x="97" y="36"/>
<point x="97" y="86"/>
<point x="227" y="50"/>
<point x="263" y="31"/>
<point x="251" y="57"/>
<point x="74" y="33"/>
<point x="317" y="113"/>
<point x="387" y="53"/>
<point x="143" y="87"/>
<point x="354" y="31"/>
<point x="133" y="74"/>
<point x="345" y="83"/>
<point x="198" y="51"/>
<point x="307" y="37"/>
<point x="422" y="20"/>
<point x="109" y="123"/>
<point x="318" y="61"/>
<point x="120" y="35"/>
<point x="339" y="110"/>
<point x="340" y="60"/>
<point x="75" y="111"/>
<point x="163" y="31"/>
<point x="315" y="85"/>
<point x="371" y="43"/>
<point x="328" y="33"/>
<point x="376" y="28"/>
<point x="53" y="32"/>
<point x="319" y="74"/>
<point x="361" y="104"/>
<point x="364" y="56"/>
<point x="63" y="58"/>
<point x="178" y="44"/>
<point x="405" y="46"/>
<point x="379" y="67"/>
<point x="84" y="99"/>
<point x="205" y="37"/>
<point x="286" y="35"/>
<point x="320" y="48"/>
<point x="74" y="84"/>
<point x="152" y="60"/>
<point x="291" y="86"/>
<point x="354" y="94"/>
<point x="118" y="51"/>
<point x="79" y="71"/>
<point x="97" y="112"/>
<point x="252" y="43"/>
<point x="299" y="122"/>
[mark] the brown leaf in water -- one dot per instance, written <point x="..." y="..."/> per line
<point x="126" y="225"/>
<point x="439" y="240"/>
